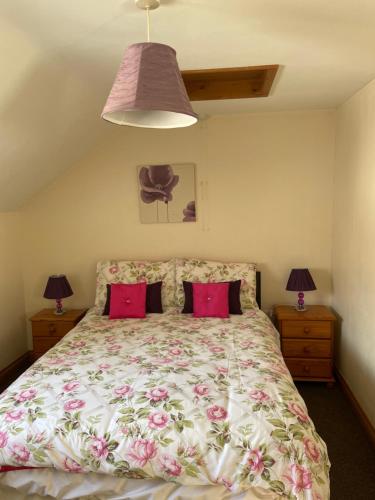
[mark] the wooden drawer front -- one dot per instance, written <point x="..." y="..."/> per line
<point x="307" y="329"/>
<point x="51" y="328"/>
<point x="309" y="368"/>
<point x="43" y="344"/>
<point x="304" y="348"/>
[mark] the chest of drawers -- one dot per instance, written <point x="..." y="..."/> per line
<point x="307" y="341"/>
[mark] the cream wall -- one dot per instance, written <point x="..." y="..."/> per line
<point x="264" y="192"/>
<point x="12" y="306"/>
<point x="354" y="244"/>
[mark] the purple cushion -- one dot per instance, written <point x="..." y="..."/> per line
<point x="153" y="298"/>
<point x="233" y="297"/>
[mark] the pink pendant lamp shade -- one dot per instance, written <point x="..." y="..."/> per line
<point x="149" y="91"/>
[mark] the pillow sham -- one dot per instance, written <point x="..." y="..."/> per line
<point x="123" y="271"/>
<point x="233" y="297"/>
<point x="210" y="300"/>
<point x="128" y="301"/>
<point x="196" y="270"/>
<point x="153" y="298"/>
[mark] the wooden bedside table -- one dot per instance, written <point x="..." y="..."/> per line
<point x="307" y="341"/>
<point x="48" y="328"/>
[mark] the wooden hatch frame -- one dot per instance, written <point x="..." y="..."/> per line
<point x="229" y="83"/>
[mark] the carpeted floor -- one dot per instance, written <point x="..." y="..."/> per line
<point x="351" y="453"/>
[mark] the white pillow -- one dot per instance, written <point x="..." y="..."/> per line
<point x="205" y="271"/>
<point x="133" y="271"/>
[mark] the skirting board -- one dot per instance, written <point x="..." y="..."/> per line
<point x="14" y="370"/>
<point x="366" y="424"/>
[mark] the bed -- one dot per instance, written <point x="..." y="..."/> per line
<point x="170" y="406"/>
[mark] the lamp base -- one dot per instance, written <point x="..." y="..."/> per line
<point x="297" y="308"/>
<point x="59" y="308"/>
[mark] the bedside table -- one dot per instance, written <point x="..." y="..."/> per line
<point x="48" y="328"/>
<point x="307" y="342"/>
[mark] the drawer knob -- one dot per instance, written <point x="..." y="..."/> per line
<point x="306" y="368"/>
<point x="52" y="328"/>
<point x="307" y="350"/>
<point x="306" y="329"/>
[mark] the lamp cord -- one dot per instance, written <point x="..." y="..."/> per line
<point x="148" y="24"/>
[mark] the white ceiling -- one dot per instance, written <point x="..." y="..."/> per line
<point x="59" y="58"/>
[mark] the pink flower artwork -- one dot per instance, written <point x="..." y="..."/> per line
<point x="142" y="450"/>
<point x="74" y="404"/>
<point x="182" y="363"/>
<point x="56" y="361"/>
<point x="298" y="411"/>
<point x="201" y="389"/>
<point x="221" y="369"/>
<point x="216" y="413"/>
<point x="247" y="363"/>
<point x="79" y="343"/>
<point x="104" y="366"/>
<point x="3" y="439"/>
<point x="14" y="415"/>
<point x="175" y="351"/>
<point x="70" y="386"/>
<point x="311" y="449"/>
<point x="299" y="478"/>
<point x="134" y="359"/>
<point x="216" y="349"/>
<point x="260" y="396"/>
<point x="114" y="347"/>
<point x="158" y="420"/>
<point x="157" y="394"/>
<point x="255" y="461"/>
<point x="20" y="453"/>
<point x="99" y="447"/>
<point x="170" y="465"/>
<point x="26" y="395"/>
<point x="71" y="465"/>
<point x="124" y="390"/>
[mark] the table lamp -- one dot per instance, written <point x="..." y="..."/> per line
<point x="58" y="288"/>
<point x="300" y="280"/>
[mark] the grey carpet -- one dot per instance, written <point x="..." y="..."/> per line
<point x="350" y="451"/>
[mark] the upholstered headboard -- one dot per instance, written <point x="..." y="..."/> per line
<point x="258" y="293"/>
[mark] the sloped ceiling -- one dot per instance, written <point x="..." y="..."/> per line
<point x="59" y="59"/>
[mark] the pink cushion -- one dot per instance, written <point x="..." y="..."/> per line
<point x="210" y="300"/>
<point x="128" y="301"/>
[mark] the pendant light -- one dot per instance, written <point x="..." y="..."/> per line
<point x="148" y="90"/>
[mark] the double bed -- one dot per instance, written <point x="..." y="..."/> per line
<point x="169" y="406"/>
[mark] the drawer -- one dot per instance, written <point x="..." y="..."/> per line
<point x="307" y="329"/>
<point x="43" y="344"/>
<point x="52" y="328"/>
<point x="305" y="348"/>
<point x="309" y="368"/>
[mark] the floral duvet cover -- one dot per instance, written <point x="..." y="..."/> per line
<point x="194" y="401"/>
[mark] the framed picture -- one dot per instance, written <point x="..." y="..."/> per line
<point x="167" y="193"/>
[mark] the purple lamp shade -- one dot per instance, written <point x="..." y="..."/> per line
<point x="58" y="288"/>
<point x="300" y="280"/>
<point x="149" y="90"/>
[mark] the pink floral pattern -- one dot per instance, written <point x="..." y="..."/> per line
<point x="168" y="397"/>
<point x="300" y="479"/>
<point x="158" y="420"/>
<point x="170" y="465"/>
<point x="142" y="450"/>
<point x="205" y="271"/>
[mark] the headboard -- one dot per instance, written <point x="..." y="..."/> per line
<point x="258" y="291"/>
